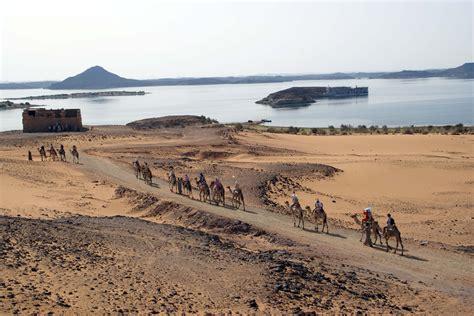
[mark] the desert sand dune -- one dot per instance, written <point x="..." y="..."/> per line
<point x="91" y="238"/>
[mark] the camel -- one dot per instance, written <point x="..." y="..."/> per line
<point x="319" y="214"/>
<point x="217" y="193"/>
<point x="297" y="212"/>
<point x="53" y="155"/>
<point x="374" y="228"/>
<point x="188" y="189"/>
<point x="138" y="169"/>
<point x="204" y="192"/>
<point x="389" y="233"/>
<point x="42" y="152"/>
<point x="147" y="175"/>
<point x="237" y="197"/>
<point x="75" y="155"/>
<point x="62" y="154"/>
<point x="172" y="182"/>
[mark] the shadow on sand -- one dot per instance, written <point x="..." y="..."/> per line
<point x="383" y="248"/>
<point x="320" y="232"/>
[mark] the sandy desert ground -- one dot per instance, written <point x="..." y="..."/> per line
<point x="91" y="238"/>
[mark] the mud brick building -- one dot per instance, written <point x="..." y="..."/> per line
<point x="39" y="120"/>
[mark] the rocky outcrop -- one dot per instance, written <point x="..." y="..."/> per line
<point x="7" y="105"/>
<point x="171" y="121"/>
<point x="296" y="96"/>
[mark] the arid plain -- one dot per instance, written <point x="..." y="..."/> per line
<point x="90" y="237"/>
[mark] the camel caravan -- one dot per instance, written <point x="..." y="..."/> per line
<point x="369" y="226"/>
<point x="214" y="193"/>
<point x="53" y="154"/>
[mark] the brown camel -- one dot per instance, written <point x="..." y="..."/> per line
<point x="204" y="192"/>
<point x="172" y="181"/>
<point x="374" y="228"/>
<point x="62" y="153"/>
<point x="296" y="212"/>
<point x="138" y="169"/>
<point x="393" y="232"/>
<point x="147" y="175"/>
<point x="53" y="155"/>
<point x="237" y="197"/>
<point x="42" y="152"/>
<point x="75" y="155"/>
<point x="217" y="193"/>
<point x="188" y="189"/>
<point x="319" y="214"/>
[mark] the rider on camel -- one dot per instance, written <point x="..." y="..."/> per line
<point x="218" y="184"/>
<point x="294" y="200"/>
<point x="236" y="187"/>
<point x="390" y="222"/>
<point x="318" y="205"/>
<point x="202" y="179"/>
<point x="367" y="215"/>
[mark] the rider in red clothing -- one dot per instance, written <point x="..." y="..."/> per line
<point x="367" y="215"/>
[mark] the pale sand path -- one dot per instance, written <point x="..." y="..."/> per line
<point x="448" y="272"/>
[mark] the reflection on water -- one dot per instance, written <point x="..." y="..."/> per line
<point x="100" y="100"/>
<point x="433" y="101"/>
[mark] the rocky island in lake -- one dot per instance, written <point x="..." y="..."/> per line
<point x="301" y="96"/>
<point x="9" y="105"/>
<point x="82" y="95"/>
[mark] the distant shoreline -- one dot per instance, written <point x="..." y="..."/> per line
<point x="98" y="78"/>
<point x="8" y="105"/>
<point x="343" y="130"/>
<point x="79" y="95"/>
<point x="457" y="129"/>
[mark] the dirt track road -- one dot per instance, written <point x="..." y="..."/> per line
<point x="441" y="270"/>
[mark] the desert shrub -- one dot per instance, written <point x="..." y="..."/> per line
<point x="385" y="129"/>
<point x="459" y="128"/>
<point x="407" y="131"/>
<point x="293" y="130"/>
<point x="345" y="128"/>
<point x="239" y="127"/>
<point x="318" y="131"/>
<point x="362" y="129"/>
<point x="373" y="128"/>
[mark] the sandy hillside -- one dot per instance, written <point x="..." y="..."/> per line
<point x="91" y="238"/>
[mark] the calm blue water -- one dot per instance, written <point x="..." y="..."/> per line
<point x="434" y="101"/>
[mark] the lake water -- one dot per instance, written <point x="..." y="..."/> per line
<point x="434" y="101"/>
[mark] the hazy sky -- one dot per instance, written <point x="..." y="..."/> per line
<point x="51" y="39"/>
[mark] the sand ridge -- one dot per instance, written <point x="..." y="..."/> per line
<point x="259" y="262"/>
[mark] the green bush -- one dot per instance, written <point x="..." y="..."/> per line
<point x="293" y="130"/>
<point x="345" y="128"/>
<point x="239" y="127"/>
<point x="373" y="128"/>
<point x="362" y="129"/>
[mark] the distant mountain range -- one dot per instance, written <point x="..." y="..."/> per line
<point x="26" y="85"/>
<point x="98" y="78"/>
<point x="95" y="78"/>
